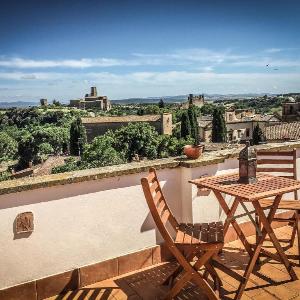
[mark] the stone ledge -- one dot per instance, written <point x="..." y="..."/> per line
<point x="221" y="155"/>
<point x="209" y="158"/>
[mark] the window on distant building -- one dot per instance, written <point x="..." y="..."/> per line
<point x="239" y="133"/>
<point x="247" y="132"/>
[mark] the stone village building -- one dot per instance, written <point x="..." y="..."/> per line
<point x="193" y="100"/>
<point x="239" y="123"/>
<point x="92" y="100"/>
<point x="291" y="110"/>
<point x="99" y="125"/>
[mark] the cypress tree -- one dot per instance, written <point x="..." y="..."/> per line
<point x="258" y="135"/>
<point x="185" y="125"/>
<point x="161" y="103"/>
<point x="27" y="151"/>
<point x="77" y="137"/>
<point x="219" y="132"/>
<point x="194" y="124"/>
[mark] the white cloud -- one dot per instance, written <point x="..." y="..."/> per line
<point x="193" y="58"/>
<point x="273" y="50"/>
<point x="69" y="63"/>
<point x="28" y="76"/>
<point x="143" y="84"/>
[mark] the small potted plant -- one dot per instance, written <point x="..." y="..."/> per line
<point x="194" y="151"/>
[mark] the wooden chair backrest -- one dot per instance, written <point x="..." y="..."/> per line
<point x="280" y="163"/>
<point x="158" y="206"/>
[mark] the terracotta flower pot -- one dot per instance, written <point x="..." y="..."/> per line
<point x="192" y="151"/>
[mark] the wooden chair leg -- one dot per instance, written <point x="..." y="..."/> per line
<point x="297" y="225"/>
<point x="294" y="231"/>
<point x="193" y="274"/>
<point x="170" y="279"/>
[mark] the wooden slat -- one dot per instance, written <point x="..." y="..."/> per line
<point x="287" y="170"/>
<point x="284" y="204"/>
<point x="188" y="234"/>
<point x="275" y="161"/>
<point x="200" y="233"/>
<point x="151" y="177"/>
<point x="157" y="198"/>
<point x="274" y="153"/>
<point x="161" y="207"/>
<point x="154" y="187"/>
<point x="212" y="233"/>
<point x="220" y="232"/>
<point x="204" y="232"/>
<point x="196" y="233"/>
<point x="165" y="216"/>
<point x="180" y="234"/>
<point x="288" y="176"/>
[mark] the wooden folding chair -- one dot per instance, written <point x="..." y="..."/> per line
<point x="284" y="165"/>
<point x="187" y="242"/>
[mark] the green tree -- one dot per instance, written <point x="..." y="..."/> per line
<point x="77" y="137"/>
<point x="27" y="151"/>
<point x="140" y="112"/>
<point x="207" y="109"/>
<point x="258" y="135"/>
<point x="8" y="147"/>
<point x="161" y="103"/>
<point x="137" y="138"/>
<point x="56" y="102"/>
<point x="185" y="125"/>
<point x="101" y="152"/>
<point x="219" y="132"/>
<point x="44" y="150"/>
<point x="194" y="124"/>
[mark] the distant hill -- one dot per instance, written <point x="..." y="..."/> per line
<point x="183" y="98"/>
<point x="167" y="99"/>
<point x="17" y="104"/>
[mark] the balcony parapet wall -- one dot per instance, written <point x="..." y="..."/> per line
<point x="209" y="158"/>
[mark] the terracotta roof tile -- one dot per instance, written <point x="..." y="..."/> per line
<point x="120" y="119"/>
<point x="285" y="131"/>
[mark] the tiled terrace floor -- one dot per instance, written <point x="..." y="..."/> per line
<point x="271" y="281"/>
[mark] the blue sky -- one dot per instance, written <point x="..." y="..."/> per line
<point x="58" y="49"/>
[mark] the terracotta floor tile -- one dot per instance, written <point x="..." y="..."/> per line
<point x="266" y="296"/>
<point x="270" y="282"/>
<point x="281" y="292"/>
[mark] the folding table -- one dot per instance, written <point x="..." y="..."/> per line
<point x="265" y="187"/>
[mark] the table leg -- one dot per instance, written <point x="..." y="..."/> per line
<point x="266" y="222"/>
<point x="229" y="220"/>
<point x="267" y="229"/>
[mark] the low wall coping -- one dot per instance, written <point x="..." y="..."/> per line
<point x="208" y="158"/>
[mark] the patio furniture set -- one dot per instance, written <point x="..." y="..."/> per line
<point x="196" y="246"/>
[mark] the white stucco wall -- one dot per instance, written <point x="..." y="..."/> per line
<point x="84" y="223"/>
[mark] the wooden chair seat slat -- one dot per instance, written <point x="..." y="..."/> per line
<point x="199" y="233"/>
<point x="180" y="234"/>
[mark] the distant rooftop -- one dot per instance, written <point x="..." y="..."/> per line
<point x="119" y="119"/>
<point x="285" y="131"/>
